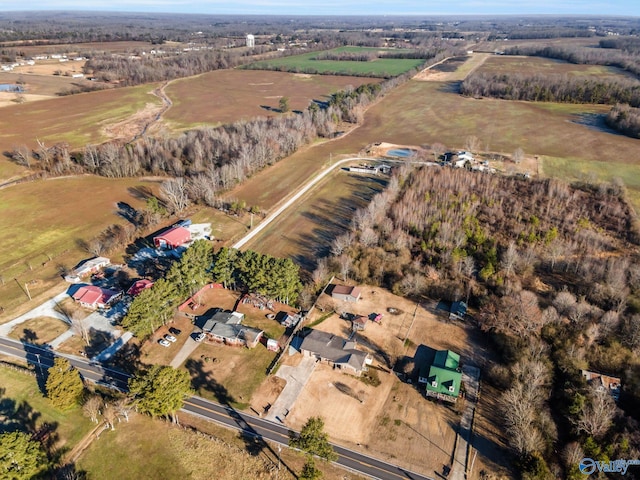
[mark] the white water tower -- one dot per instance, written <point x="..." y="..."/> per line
<point x="251" y="41"/>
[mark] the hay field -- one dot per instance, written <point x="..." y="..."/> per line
<point x="40" y="223"/>
<point x="225" y="96"/>
<point x="505" y="64"/>
<point x="387" y="67"/>
<point x="76" y="119"/>
<point x="304" y="232"/>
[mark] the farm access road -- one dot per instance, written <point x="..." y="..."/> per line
<point x="308" y="186"/>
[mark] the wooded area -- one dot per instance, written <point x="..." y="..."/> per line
<point x="625" y="119"/>
<point x="552" y="270"/>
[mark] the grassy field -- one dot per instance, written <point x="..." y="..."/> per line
<point x="38" y="234"/>
<point x="305" y="63"/>
<point x="76" y="119"/>
<point x="20" y="391"/>
<point x="39" y="330"/>
<point x="48" y="85"/>
<point x="304" y="233"/>
<point x="504" y="64"/>
<point x="226" y="96"/>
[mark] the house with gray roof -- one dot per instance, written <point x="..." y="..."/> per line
<point x="227" y="328"/>
<point x="336" y="351"/>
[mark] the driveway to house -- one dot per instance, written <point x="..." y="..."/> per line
<point x="471" y="380"/>
<point x="296" y="378"/>
<point x="187" y="349"/>
<point x="308" y="186"/>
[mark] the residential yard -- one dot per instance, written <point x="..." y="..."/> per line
<point x="23" y="405"/>
<point x="40" y="85"/>
<point x="39" y="330"/>
<point x="395" y="420"/>
<point x="227" y="96"/>
<point x="221" y="372"/>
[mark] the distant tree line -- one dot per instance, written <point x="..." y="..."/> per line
<point x="347" y="56"/>
<point x="627" y="44"/>
<point x="552" y="88"/>
<point x="625" y="119"/>
<point x="127" y="71"/>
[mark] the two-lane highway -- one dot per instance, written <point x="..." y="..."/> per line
<point x="225" y="415"/>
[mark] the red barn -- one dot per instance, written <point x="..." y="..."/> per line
<point x="172" y="238"/>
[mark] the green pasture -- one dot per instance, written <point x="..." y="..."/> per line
<point x="19" y="392"/>
<point x="305" y="63"/>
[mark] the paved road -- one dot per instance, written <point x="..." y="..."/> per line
<point x="225" y="415"/>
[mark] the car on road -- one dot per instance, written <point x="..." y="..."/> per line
<point x="199" y="337"/>
<point x="175" y="331"/>
<point x="170" y="338"/>
<point x="164" y="342"/>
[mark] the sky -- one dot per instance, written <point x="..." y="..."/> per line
<point x="340" y="7"/>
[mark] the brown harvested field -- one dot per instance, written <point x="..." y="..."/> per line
<point x="50" y="67"/>
<point x="395" y="421"/>
<point x="39" y="330"/>
<point x="40" y="223"/>
<point x="77" y="119"/>
<point x="42" y="85"/>
<point x="505" y="64"/>
<point x="502" y="45"/>
<point x="226" y="96"/>
<point x="305" y="231"/>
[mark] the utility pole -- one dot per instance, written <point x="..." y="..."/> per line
<point x="278" y="473"/>
<point x="410" y="326"/>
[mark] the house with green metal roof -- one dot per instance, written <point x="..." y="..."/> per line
<point x="442" y="377"/>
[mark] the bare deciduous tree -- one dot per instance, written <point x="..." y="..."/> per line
<point x="175" y="194"/>
<point x="93" y="407"/>
<point x="597" y="413"/>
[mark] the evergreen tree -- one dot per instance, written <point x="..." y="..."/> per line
<point x="161" y="390"/>
<point x="223" y="266"/>
<point x="314" y="440"/>
<point x="64" y="386"/>
<point x="21" y="458"/>
<point x="310" y="471"/>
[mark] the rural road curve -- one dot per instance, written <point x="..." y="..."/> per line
<point x="272" y="216"/>
<point x="226" y="415"/>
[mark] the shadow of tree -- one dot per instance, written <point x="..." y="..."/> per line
<point x="127" y="359"/>
<point x="20" y="416"/>
<point x="98" y="341"/>
<point x="29" y="336"/>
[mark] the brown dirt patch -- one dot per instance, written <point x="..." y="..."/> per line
<point x="351" y="422"/>
<point x="152" y="352"/>
<point x="267" y="393"/>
